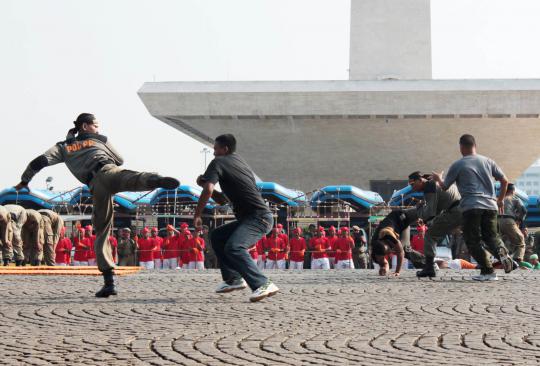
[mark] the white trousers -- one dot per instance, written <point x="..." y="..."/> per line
<point x="61" y="264"/>
<point x="260" y="262"/>
<point x="296" y="265"/>
<point x="279" y="264"/>
<point x="345" y="264"/>
<point x="92" y="262"/>
<point x="147" y="265"/>
<point x="320" y="263"/>
<point x="80" y="263"/>
<point x="196" y="265"/>
<point x="158" y="264"/>
<point x="170" y="263"/>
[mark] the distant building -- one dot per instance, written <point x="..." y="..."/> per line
<point x="529" y="181"/>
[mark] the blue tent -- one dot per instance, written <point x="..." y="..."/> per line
<point x="278" y="194"/>
<point x="358" y="198"/>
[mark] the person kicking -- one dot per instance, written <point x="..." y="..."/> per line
<point x="93" y="161"/>
<point x="232" y="241"/>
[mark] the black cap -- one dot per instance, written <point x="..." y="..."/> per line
<point x="415" y="175"/>
<point x="511" y="187"/>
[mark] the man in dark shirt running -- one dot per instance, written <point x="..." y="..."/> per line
<point x="232" y="241"/>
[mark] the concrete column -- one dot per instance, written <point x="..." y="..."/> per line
<point x="390" y="39"/>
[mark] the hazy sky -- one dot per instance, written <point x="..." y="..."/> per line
<point x="63" y="57"/>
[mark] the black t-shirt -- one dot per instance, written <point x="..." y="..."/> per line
<point x="238" y="183"/>
<point x="398" y="220"/>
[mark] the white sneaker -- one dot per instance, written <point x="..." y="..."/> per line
<point x="224" y="287"/>
<point x="268" y="289"/>
<point x="486" y="277"/>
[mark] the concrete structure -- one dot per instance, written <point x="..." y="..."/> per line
<point x="370" y="133"/>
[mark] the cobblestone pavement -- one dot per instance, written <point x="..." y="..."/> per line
<point x="326" y="318"/>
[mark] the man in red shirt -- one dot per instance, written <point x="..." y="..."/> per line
<point x="63" y="249"/>
<point x="343" y="247"/>
<point x="417" y="241"/>
<point x="82" y="246"/>
<point x="183" y="249"/>
<point x="332" y="238"/>
<point x="91" y="255"/>
<point x="297" y="250"/>
<point x="158" y="258"/>
<point x="146" y="250"/>
<point x="114" y="247"/>
<point x="170" y="249"/>
<point x="196" y="247"/>
<point x="261" y="254"/>
<point x="282" y="234"/>
<point x="319" y="246"/>
<point x="276" y="248"/>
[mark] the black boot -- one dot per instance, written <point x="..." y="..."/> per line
<point x="108" y="288"/>
<point x="157" y="181"/>
<point x="18" y="263"/>
<point x="429" y="270"/>
<point x="6" y="262"/>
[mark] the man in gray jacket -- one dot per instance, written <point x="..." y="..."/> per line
<point x="93" y="161"/>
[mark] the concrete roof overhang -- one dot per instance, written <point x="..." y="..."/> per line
<point x="369" y="129"/>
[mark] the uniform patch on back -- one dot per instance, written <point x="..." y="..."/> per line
<point x="79" y="145"/>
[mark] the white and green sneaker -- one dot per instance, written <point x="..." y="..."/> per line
<point x="225" y="287"/>
<point x="268" y="289"/>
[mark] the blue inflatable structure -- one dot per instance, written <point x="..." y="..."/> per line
<point x="280" y="195"/>
<point x="358" y="198"/>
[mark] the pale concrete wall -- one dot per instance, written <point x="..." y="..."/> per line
<point x="390" y="39"/>
<point x="310" y="153"/>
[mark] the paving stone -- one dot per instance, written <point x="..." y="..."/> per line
<point x="319" y="317"/>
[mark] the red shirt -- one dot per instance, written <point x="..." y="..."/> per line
<point x="63" y="251"/>
<point x="184" y="249"/>
<point x="91" y="253"/>
<point x="170" y="247"/>
<point x="276" y="248"/>
<point x="195" y="254"/>
<point x="331" y="242"/>
<point x="157" y="251"/>
<point x="114" y="246"/>
<point x="260" y="247"/>
<point x="344" y="245"/>
<point x="297" y="248"/>
<point x="146" y="249"/>
<point x="82" y="247"/>
<point x="417" y="243"/>
<point x="284" y="237"/>
<point x="319" y="247"/>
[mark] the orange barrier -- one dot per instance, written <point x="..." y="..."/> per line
<point x="63" y="271"/>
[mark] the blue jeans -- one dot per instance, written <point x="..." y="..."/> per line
<point x="231" y="243"/>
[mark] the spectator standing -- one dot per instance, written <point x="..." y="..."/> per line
<point x="127" y="249"/>
<point x="297" y="248"/>
<point x="156" y="255"/>
<point x="146" y="247"/>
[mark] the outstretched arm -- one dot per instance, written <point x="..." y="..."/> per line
<point x="208" y="188"/>
<point x="50" y="157"/>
